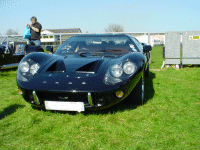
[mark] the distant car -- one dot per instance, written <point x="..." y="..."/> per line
<point x="86" y="72"/>
<point x="12" y="52"/>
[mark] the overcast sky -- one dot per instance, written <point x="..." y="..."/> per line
<point x="94" y="15"/>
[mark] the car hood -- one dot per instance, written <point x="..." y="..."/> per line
<point x="74" y="64"/>
<point x="84" y="64"/>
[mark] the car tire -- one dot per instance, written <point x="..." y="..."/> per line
<point x="137" y="95"/>
<point x="147" y="71"/>
<point x="139" y="92"/>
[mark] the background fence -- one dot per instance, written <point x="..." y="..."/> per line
<point x="179" y="47"/>
<point x="172" y="48"/>
<point x="151" y="38"/>
<point x="191" y="47"/>
<point x="182" y="48"/>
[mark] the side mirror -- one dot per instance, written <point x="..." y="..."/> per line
<point x="147" y="48"/>
<point x="49" y="48"/>
<point x="143" y="44"/>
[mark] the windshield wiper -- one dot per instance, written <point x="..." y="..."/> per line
<point x="83" y="51"/>
<point x="82" y="54"/>
<point x="110" y="50"/>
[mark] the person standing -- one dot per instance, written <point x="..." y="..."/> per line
<point x="35" y="29"/>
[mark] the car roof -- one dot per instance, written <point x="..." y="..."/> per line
<point x="100" y="35"/>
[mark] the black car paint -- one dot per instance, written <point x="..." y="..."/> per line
<point x="71" y="75"/>
<point x="9" y="57"/>
<point x="57" y="83"/>
<point x="12" y="56"/>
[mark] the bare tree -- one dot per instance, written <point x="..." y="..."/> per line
<point x="114" y="28"/>
<point x="11" y="32"/>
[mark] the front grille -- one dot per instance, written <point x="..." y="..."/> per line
<point x="70" y="97"/>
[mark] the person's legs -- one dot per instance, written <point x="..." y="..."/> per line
<point x="37" y="42"/>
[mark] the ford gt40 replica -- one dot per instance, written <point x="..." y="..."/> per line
<point x="85" y="72"/>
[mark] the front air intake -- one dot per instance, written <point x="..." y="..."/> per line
<point x="91" y="67"/>
<point x="58" y="66"/>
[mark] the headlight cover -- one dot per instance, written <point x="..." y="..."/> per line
<point x="119" y="72"/>
<point x="116" y="70"/>
<point x="34" y="68"/>
<point x="27" y="69"/>
<point x="24" y="66"/>
<point x="129" y="67"/>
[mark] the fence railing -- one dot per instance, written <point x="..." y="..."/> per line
<point x="188" y="42"/>
<point x="146" y="37"/>
<point x="150" y="38"/>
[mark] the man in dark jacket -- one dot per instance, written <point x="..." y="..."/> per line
<point x="35" y="28"/>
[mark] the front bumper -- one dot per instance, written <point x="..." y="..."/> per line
<point x="92" y="100"/>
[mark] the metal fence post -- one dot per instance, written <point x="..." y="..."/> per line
<point x="60" y="39"/>
<point x="149" y="38"/>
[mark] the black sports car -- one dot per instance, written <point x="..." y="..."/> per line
<point x="12" y="52"/>
<point x="85" y="72"/>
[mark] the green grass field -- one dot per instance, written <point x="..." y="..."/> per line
<point x="169" y="119"/>
<point x="156" y="57"/>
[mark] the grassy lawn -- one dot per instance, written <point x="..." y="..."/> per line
<point x="156" y="57"/>
<point x="169" y="119"/>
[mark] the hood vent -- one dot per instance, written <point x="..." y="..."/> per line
<point x="58" y="66"/>
<point x="92" y="67"/>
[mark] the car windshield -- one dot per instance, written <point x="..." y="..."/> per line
<point x="96" y="44"/>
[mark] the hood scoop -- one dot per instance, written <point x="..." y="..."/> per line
<point x="58" y="66"/>
<point x="61" y="66"/>
<point x="92" y="67"/>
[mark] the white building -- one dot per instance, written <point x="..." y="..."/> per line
<point x="154" y="39"/>
<point x="51" y="36"/>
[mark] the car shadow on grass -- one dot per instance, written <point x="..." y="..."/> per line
<point x="10" y="110"/>
<point x="6" y="72"/>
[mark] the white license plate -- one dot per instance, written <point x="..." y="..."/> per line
<point x="65" y="106"/>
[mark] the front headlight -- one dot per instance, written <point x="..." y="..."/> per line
<point x="27" y="69"/>
<point x="34" y="68"/>
<point x="116" y="71"/>
<point x="24" y="67"/>
<point x="129" y="68"/>
<point x="119" y="72"/>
